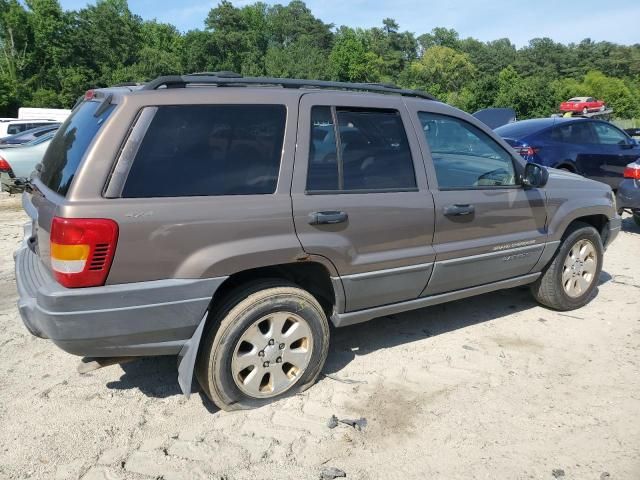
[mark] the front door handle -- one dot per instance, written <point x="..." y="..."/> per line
<point x="459" y="210"/>
<point x="327" y="218"/>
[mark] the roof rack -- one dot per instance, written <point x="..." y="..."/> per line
<point x="231" y="79"/>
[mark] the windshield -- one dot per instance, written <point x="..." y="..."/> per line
<point x="69" y="145"/>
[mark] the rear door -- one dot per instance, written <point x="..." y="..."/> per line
<point x="360" y="196"/>
<point x="488" y="227"/>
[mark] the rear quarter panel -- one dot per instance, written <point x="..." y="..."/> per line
<point x="188" y="237"/>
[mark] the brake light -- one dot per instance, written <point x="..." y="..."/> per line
<point x="89" y="94"/>
<point x="632" y="171"/>
<point x="82" y="250"/>
<point x="4" y="166"/>
<point x="527" y="151"/>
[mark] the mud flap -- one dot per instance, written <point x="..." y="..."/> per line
<point x="187" y="359"/>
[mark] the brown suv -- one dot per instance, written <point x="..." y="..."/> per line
<point x="227" y="220"/>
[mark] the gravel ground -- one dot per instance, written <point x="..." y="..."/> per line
<point x="490" y="387"/>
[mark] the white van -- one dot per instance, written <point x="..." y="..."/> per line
<point x="30" y="113"/>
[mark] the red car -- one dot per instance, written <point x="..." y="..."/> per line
<point x="582" y="105"/>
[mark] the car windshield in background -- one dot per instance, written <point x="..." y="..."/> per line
<point x="69" y="145"/>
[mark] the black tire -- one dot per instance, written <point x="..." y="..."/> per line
<point x="225" y="327"/>
<point x="636" y="218"/>
<point x="549" y="290"/>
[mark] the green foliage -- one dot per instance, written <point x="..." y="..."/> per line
<point x="441" y="70"/>
<point x="49" y="56"/>
<point x="351" y="60"/>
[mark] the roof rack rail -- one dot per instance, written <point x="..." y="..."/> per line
<point x="231" y="79"/>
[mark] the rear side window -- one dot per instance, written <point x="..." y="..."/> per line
<point x="68" y="146"/>
<point x="575" y="133"/>
<point x="203" y="150"/>
<point x="356" y="149"/>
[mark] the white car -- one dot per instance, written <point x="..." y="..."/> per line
<point x="11" y="126"/>
<point x="17" y="164"/>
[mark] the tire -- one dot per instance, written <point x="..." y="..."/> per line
<point x="585" y="110"/>
<point x="550" y="289"/>
<point x="277" y="369"/>
<point x="603" y="108"/>
<point x="636" y="218"/>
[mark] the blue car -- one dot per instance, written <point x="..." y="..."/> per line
<point x="593" y="148"/>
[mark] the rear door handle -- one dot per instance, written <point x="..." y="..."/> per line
<point x="327" y="218"/>
<point x="459" y="210"/>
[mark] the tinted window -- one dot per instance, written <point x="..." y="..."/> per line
<point x="464" y="156"/>
<point x="69" y="145"/>
<point x="323" y="159"/>
<point x="609" y="135"/>
<point x="371" y="152"/>
<point x="575" y="133"/>
<point x="15" y="128"/>
<point x="209" y="150"/>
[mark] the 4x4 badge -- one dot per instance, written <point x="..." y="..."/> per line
<point x="138" y="214"/>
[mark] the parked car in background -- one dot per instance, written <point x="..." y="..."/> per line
<point x="633" y="132"/>
<point x="496" y="117"/>
<point x="592" y="148"/>
<point x="11" y="127"/>
<point x="17" y="164"/>
<point x="32" y="113"/>
<point x="27" y="136"/>
<point x="583" y="105"/>
<point x="628" y="195"/>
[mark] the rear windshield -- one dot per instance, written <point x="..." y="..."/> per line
<point x="518" y="130"/>
<point x="69" y="145"/>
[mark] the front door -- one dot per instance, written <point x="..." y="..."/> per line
<point x="360" y="196"/>
<point x="615" y="150"/>
<point x="488" y="227"/>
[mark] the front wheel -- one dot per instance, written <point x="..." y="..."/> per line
<point x="269" y="341"/>
<point x="572" y="276"/>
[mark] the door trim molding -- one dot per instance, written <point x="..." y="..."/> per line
<point x="345" y="319"/>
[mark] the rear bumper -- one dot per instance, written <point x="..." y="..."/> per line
<point x="136" y="319"/>
<point x="628" y="195"/>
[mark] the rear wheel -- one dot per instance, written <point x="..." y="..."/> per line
<point x="603" y="108"/>
<point x="571" y="278"/>
<point x="270" y="340"/>
<point x="585" y="110"/>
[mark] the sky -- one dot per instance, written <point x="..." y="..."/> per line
<point x="562" y="20"/>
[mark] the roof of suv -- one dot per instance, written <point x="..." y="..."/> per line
<point x="231" y="79"/>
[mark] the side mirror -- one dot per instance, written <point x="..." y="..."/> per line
<point x="535" y="176"/>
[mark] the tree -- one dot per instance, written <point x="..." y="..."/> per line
<point x="350" y="59"/>
<point x="440" y="71"/>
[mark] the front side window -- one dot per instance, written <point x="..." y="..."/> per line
<point x="204" y="150"/>
<point x="464" y="156"/>
<point x="358" y="149"/>
<point x="608" y="135"/>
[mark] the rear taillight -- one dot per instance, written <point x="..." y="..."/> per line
<point x="4" y="166"/>
<point x="527" y="151"/>
<point x="82" y="250"/>
<point x="632" y="171"/>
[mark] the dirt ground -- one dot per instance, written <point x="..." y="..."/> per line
<point x="493" y="387"/>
